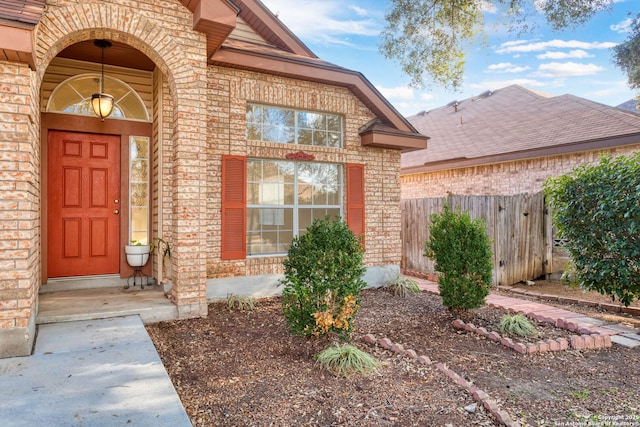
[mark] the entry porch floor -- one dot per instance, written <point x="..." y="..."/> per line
<point x="65" y="300"/>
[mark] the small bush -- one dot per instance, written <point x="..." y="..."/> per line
<point x="323" y="279"/>
<point x="596" y="208"/>
<point x="347" y="359"/>
<point x="240" y="302"/>
<point x="462" y="252"/>
<point x="403" y="286"/>
<point x="517" y="325"/>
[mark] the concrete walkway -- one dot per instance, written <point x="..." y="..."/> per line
<point x="620" y="334"/>
<point x="90" y="373"/>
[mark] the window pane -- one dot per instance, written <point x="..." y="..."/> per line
<point x="334" y="124"/>
<point x="269" y="230"/>
<point x="289" y="126"/>
<point x="273" y="201"/>
<point x="74" y="96"/>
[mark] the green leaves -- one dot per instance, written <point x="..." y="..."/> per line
<point x="323" y="277"/>
<point x="429" y="38"/>
<point x="597" y="209"/>
<point x="462" y="254"/>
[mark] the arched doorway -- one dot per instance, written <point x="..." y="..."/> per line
<point x="96" y="174"/>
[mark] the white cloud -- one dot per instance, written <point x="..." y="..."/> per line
<point x="398" y="92"/>
<point x="507" y="67"/>
<point x="427" y="96"/>
<point x="567" y="69"/>
<point x="358" y="10"/>
<point x="623" y="26"/>
<point x="323" y="22"/>
<point x="577" y="53"/>
<point x="552" y="44"/>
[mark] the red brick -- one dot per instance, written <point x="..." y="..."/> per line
<point x="470" y="327"/>
<point x="560" y="323"/>
<point x="577" y="342"/>
<point x="482" y="331"/>
<point x="458" y="324"/>
<point x="480" y="395"/>
<point x="424" y="360"/>
<point x="532" y="348"/>
<point x="564" y="344"/>
<point x="520" y="348"/>
<point x="588" y="342"/>
<point x="553" y="345"/>
<point x="507" y="342"/>
<point x="369" y="339"/>
<point x="411" y="354"/>
<point x="397" y="348"/>
<point x="598" y="341"/>
<point x="543" y="347"/>
<point x="502" y="416"/>
<point x="547" y="297"/>
<point x="494" y="336"/>
<point x="490" y="405"/>
<point x="385" y="343"/>
<point x="571" y="326"/>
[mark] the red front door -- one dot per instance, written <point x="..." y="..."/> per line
<point x="84" y="199"/>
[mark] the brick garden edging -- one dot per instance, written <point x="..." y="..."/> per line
<point x="615" y="308"/>
<point x="577" y="342"/>
<point x="478" y="395"/>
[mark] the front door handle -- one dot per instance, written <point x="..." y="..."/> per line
<point x="116" y="211"/>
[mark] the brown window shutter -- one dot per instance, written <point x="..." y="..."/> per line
<point x="355" y="199"/>
<point x="234" y="207"/>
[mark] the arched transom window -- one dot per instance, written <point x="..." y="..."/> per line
<point x="73" y="96"/>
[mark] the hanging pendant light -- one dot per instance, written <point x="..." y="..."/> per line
<point x="102" y="103"/>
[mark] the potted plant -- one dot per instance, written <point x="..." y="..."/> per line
<point x="137" y="253"/>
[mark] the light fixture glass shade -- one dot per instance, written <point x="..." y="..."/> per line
<point x="102" y="104"/>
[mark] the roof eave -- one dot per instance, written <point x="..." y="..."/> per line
<point x="17" y="44"/>
<point x="316" y="72"/>
<point x="396" y="141"/>
<point x="591" y="145"/>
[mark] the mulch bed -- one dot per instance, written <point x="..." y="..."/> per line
<point x="244" y="368"/>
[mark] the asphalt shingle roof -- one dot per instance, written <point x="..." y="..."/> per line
<point x="514" y="119"/>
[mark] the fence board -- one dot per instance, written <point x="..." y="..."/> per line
<point x="517" y="226"/>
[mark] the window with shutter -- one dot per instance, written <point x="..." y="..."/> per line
<point x="234" y="207"/>
<point x="355" y="199"/>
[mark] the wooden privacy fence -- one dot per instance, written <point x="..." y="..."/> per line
<point x="519" y="227"/>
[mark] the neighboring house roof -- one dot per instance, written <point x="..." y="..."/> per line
<point x="274" y="50"/>
<point x="632" y="105"/>
<point x="515" y="123"/>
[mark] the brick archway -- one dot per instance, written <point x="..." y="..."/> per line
<point x="185" y="74"/>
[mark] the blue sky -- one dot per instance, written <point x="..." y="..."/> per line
<point x="575" y="61"/>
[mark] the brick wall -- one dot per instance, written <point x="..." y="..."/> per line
<point x="19" y="196"/>
<point x="517" y="177"/>
<point x="163" y="31"/>
<point x="229" y="92"/>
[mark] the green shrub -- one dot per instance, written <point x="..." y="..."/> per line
<point x="596" y="208"/>
<point x="518" y="325"/>
<point x="403" y="286"/>
<point x="323" y="279"/>
<point x="347" y="359"/>
<point x="462" y="254"/>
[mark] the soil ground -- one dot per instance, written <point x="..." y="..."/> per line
<point x="243" y="368"/>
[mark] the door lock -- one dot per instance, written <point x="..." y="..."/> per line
<point x="116" y="211"/>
